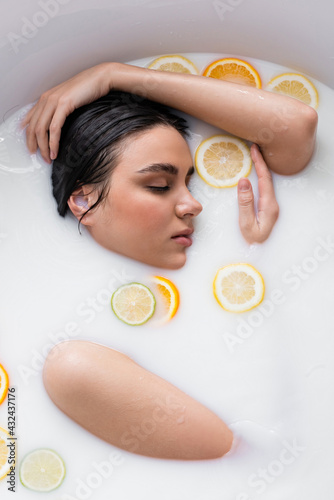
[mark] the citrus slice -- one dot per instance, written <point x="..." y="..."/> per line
<point x="222" y="160"/>
<point x="297" y="86"/>
<point x="238" y="287"/>
<point x="4" y="453"/>
<point x="174" y="63"/>
<point x="234" y="70"/>
<point x="133" y="303"/>
<point x="42" y="470"/>
<point x="170" y="295"/>
<point x="3" y="383"/>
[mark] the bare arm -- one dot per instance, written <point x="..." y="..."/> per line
<point x="284" y="128"/>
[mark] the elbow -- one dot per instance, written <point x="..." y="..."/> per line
<point x="306" y="129"/>
<point x="294" y="137"/>
<point x="308" y="125"/>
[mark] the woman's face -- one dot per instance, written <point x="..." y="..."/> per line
<point x="148" y="214"/>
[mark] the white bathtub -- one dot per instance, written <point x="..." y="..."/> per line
<point x="38" y="37"/>
<point x="44" y="42"/>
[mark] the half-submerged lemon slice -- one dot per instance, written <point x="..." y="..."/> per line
<point x="174" y="63"/>
<point x="170" y="295"/>
<point x="3" y="383"/>
<point x="4" y="453"/>
<point x="238" y="287"/>
<point x="133" y="303"/>
<point x="42" y="470"/>
<point x="234" y="70"/>
<point x="297" y="86"/>
<point x="222" y="160"/>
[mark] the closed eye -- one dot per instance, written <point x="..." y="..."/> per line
<point x="158" y="189"/>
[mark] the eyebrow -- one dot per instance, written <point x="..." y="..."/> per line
<point x="164" y="167"/>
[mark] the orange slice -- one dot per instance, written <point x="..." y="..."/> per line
<point x="4" y="453"/>
<point x="3" y="383"/>
<point x="234" y="70"/>
<point x="170" y="295"/>
<point x="297" y="86"/>
<point x="174" y="63"/>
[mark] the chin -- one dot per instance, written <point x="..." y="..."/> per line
<point x="174" y="263"/>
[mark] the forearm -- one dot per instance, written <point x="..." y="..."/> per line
<point x="283" y="127"/>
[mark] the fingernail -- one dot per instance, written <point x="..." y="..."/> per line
<point x="243" y="185"/>
<point x="52" y="155"/>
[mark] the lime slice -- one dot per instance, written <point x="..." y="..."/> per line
<point x="133" y="303"/>
<point x="42" y="470"/>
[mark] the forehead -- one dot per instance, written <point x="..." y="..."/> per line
<point x="161" y="144"/>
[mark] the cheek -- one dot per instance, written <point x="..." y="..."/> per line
<point x="143" y="212"/>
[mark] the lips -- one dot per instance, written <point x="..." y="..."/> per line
<point x="183" y="237"/>
<point x="186" y="232"/>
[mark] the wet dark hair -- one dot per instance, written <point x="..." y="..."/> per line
<point x="93" y="138"/>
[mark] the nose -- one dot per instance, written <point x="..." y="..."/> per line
<point x="188" y="206"/>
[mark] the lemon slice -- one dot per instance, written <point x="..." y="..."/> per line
<point x="222" y="160"/>
<point x="133" y="303"/>
<point x="174" y="63"/>
<point x="234" y="70"/>
<point x="170" y="295"/>
<point x="238" y="287"/>
<point x="42" y="470"/>
<point x="3" y="383"/>
<point x="4" y="453"/>
<point x="297" y="86"/>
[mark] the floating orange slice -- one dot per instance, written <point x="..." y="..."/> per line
<point x="170" y="295"/>
<point x="297" y="86"/>
<point x="234" y="70"/>
<point x="4" y="453"/>
<point x="174" y="63"/>
<point x="3" y="383"/>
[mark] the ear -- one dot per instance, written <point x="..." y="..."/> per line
<point x="79" y="202"/>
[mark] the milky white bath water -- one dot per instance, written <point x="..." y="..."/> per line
<point x="267" y="372"/>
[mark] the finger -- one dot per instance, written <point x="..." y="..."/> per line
<point x="27" y="117"/>
<point x="39" y="129"/>
<point x="265" y="181"/>
<point x="56" y="125"/>
<point x="268" y="209"/>
<point x="267" y="204"/>
<point x="247" y="216"/>
<point x="31" y="138"/>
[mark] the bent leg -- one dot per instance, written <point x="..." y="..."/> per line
<point x="117" y="400"/>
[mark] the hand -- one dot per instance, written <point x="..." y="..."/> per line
<point x="257" y="228"/>
<point x="46" y="118"/>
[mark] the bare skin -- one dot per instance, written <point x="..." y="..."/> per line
<point x="284" y="132"/>
<point x="243" y="111"/>
<point x="161" y="203"/>
<point x="282" y="127"/>
<point x="114" y="398"/>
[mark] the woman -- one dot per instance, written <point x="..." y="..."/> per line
<point x="141" y="412"/>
